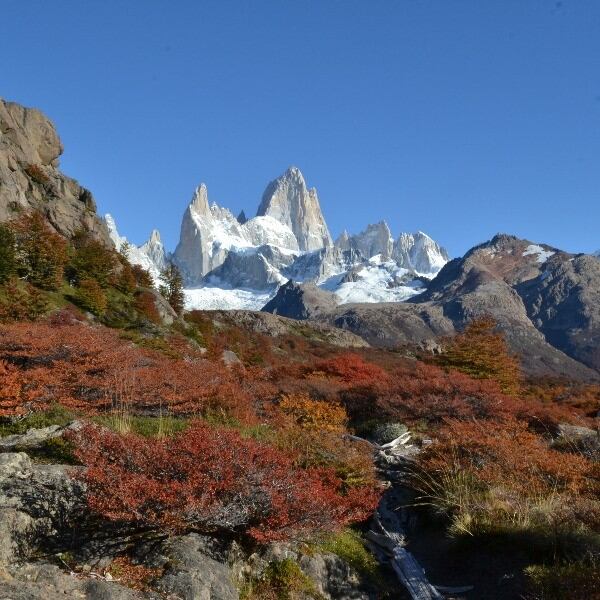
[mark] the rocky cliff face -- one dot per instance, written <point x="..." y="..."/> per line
<point x="209" y="233"/>
<point x="31" y="180"/>
<point x="289" y="201"/>
<point x="374" y="240"/>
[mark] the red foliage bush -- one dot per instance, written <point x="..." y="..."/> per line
<point x="92" y="369"/>
<point x="13" y="395"/>
<point x="507" y="454"/>
<point x="416" y="392"/>
<point x="213" y="480"/>
<point x="351" y="369"/>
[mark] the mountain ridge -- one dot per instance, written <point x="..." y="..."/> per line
<point x="236" y="262"/>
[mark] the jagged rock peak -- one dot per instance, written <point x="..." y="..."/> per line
<point x="420" y="253"/>
<point x="155" y="237"/>
<point x="288" y="200"/>
<point x="375" y="239"/>
<point x="242" y="218"/>
<point x="199" y="203"/>
<point x="151" y="255"/>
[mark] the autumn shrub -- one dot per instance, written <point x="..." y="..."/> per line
<point x="92" y="369"/>
<point x="492" y="478"/>
<point x="91" y="296"/>
<point x="145" y="304"/>
<point x="22" y="302"/>
<point x="124" y="279"/>
<point x="142" y="276"/>
<point x="316" y="415"/>
<point x="351" y="369"/>
<point x="212" y="480"/>
<point x="13" y="394"/>
<point x="40" y="252"/>
<point x="481" y="352"/>
<point x="425" y="395"/>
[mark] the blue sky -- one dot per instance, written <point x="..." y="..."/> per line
<point x="459" y="118"/>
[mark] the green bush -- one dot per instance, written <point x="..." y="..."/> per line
<point x="91" y="296"/>
<point x="281" y="580"/>
<point x="8" y="258"/>
<point x="350" y="546"/>
<point x="56" y="415"/>
<point x="576" y="581"/>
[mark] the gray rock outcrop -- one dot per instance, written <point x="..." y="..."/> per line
<point x="300" y="301"/>
<point x="375" y="239"/>
<point x="199" y="250"/>
<point x="257" y="269"/>
<point x="31" y="180"/>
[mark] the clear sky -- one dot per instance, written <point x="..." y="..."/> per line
<point x="459" y="118"/>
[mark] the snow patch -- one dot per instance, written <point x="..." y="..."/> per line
<point x="542" y="255"/>
<point x="378" y="281"/>
<point x="217" y="298"/>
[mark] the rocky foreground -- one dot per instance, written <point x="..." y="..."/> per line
<point x="52" y="548"/>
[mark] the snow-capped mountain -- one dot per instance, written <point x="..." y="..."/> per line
<point x="151" y="255"/>
<point x="236" y="262"/>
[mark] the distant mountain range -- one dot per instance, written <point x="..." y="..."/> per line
<point x="392" y="292"/>
<point x="235" y="262"/>
<point x="546" y="301"/>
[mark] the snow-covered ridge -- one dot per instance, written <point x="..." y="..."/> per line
<point x="151" y="255"/>
<point x="230" y="262"/>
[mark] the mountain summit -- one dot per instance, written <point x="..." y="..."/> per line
<point x="288" y="200"/>
<point x="234" y="262"/>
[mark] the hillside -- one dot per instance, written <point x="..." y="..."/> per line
<point x="152" y="453"/>
<point x="543" y="299"/>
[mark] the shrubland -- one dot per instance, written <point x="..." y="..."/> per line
<point x="177" y="441"/>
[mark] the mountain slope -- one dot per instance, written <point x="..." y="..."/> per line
<point x="546" y="301"/>
<point x="238" y="263"/>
